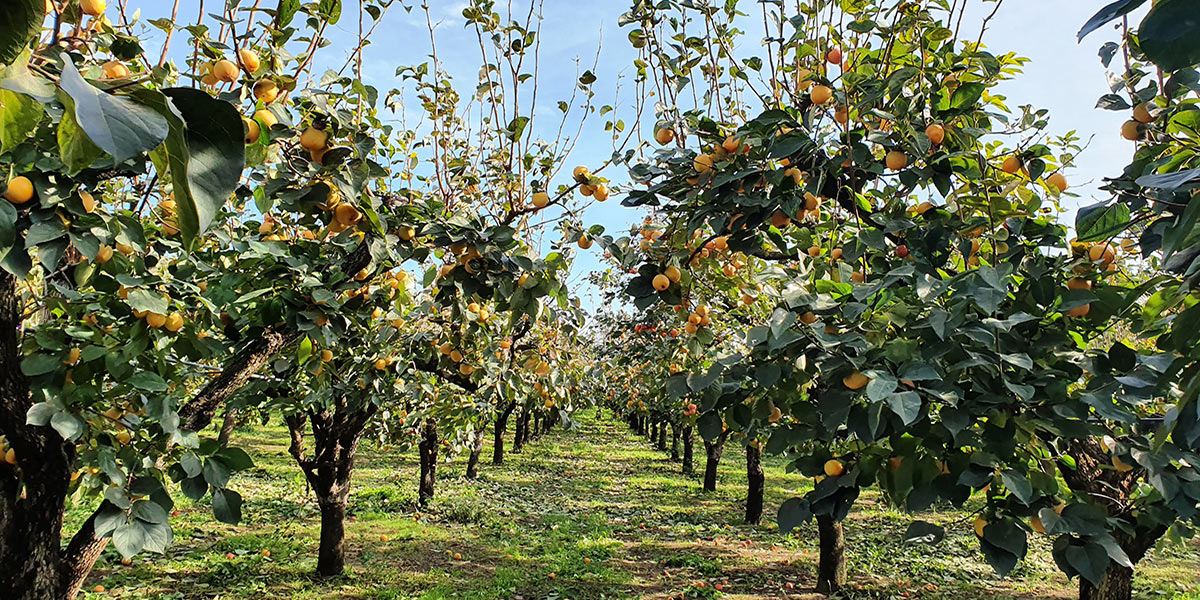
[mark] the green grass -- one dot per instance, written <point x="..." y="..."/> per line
<point x="586" y="515"/>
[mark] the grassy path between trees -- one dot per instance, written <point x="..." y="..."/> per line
<point x="590" y="514"/>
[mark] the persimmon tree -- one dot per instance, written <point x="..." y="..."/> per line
<point x="932" y="330"/>
<point x="167" y="247"/>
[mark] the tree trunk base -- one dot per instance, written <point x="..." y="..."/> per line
<point x="755" y="484"/>
<point x="1117" y="584"/>
<point x="831" y="568"/>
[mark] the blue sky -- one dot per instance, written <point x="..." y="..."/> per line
<point x="1062" y="76"/>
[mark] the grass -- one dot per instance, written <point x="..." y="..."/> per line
<point x="587" y="515"/>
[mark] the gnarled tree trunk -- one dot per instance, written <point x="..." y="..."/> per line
<point x="1111" y="488"/>
<point x="428" y="449"/>
<point x="831" y="564"/>
<point x="327" y="469"/>
<point x="755" y="484"/>
<point x="712" y="452"/>
<point x="662" y="436"/>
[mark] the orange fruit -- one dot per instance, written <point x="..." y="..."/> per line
<point x="1057" y="181"/>
<point x="855" y="380"/>
<point x="225" y="70"/>
<point x="249" y="59"/>
<point x="936" y="133"/>
<point x="1131" y="130"/>
<point x="20" y="190"/>
<point x="834" y="467"/>
<point x="313" y="139"/>
<point x="114" y="70"/>
<point x="266" y="91"/>
<point x="820" y="94"/>
<point x="1011" y="165"/>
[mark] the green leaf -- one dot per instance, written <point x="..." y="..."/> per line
<point x="149" y="381"/>
<point x="967" y="95"/>
<point x="1100" y="222"/>
<point x="330" y="10"/>
<point x="205" y="150"/>
<point x="69" y="426"/>
<point x="39" y="414"/>
<point x="39" y="364"/>
<point x="1106" y="14"/>
<point x="19" y="115"/>
<point x="118" y="125"/>
<point x="516" y="128"/>
<point x="130" y="538"/>
<point x="227" y="506"/>
<point x="287" y="11"/>
<point x="1170" y="34"/>
<point x="709" y="425"/>
<point x="22" y="21"/>
<point x="1003" y="545"/>
<point x="1018" y="484"/>
<point x="236" y="459"/>
<point x="17" y="78"/>
<point x="76" y="149"/>
<point x="216" y="473"/>
<point x="1169" y="181"/>
<point x="149" y="512"/>
<point x="145" y="300"/>
<point x="793" y="513"/>
<point x="906" y="405"/>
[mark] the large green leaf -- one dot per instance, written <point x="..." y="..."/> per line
<point x="206" y="152"/>
<point x="19" y="115"/>
<point x="227" y="506"/>
<point x="1100" y="222"/>
<point x="118" y="125"/>
<point x="1106" y="14"/>
<point x="74" y="147"/>
<point x="1170" y="34"/>
<point x="22" y="19"/>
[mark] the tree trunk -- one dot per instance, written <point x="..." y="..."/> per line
<point x="428" y="448"/>
<point x="674" y="442"/>
<point x="1117" y="584"/>
<point x="662" y="436"/>
<point x="712" y="452"/>
<point x="831" y="567"/>
<point x="476" y="450"/>
<point x="519" y="436"/>
<point x="33" y="564"/>
<point x="81" y="555"/>
<point x="331" y="556"/>
<point x="756" y="484"/>
<point x="32" y="492"/>
<point x="499" y="430"/>
<point x="689" y="467"/>
<point x="230" y="421"/>
<point x="537" y="425"/>
<point x="327" y="470"/>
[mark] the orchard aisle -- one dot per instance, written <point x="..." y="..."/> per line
<point x="587" y="514"/>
